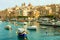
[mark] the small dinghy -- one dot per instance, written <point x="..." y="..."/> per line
<point x="25" y="23"/>
<point x="8" y="27"/>
<point x="32" y="27"/>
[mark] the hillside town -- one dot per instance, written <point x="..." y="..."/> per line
<point x="30" y="11"/>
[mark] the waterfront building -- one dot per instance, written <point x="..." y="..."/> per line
<point x="25" y="12"/>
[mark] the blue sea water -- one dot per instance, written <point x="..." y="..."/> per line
<point x="41" y="34"/>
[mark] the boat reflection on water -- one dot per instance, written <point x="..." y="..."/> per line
<point x="21" y="38"/>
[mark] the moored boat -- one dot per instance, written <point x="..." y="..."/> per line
<point x="21" y="33"/>
<point x="8" y="27"/>
<point x="32" y="27"/>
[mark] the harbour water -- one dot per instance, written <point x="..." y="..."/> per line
<point x="48" y="33"/>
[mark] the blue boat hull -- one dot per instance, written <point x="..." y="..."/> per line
<point x="22" y="35"/>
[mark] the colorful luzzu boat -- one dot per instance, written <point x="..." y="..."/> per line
<point x="21" y="33"/>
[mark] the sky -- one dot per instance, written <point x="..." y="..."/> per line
<point x="11" y="3"/>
